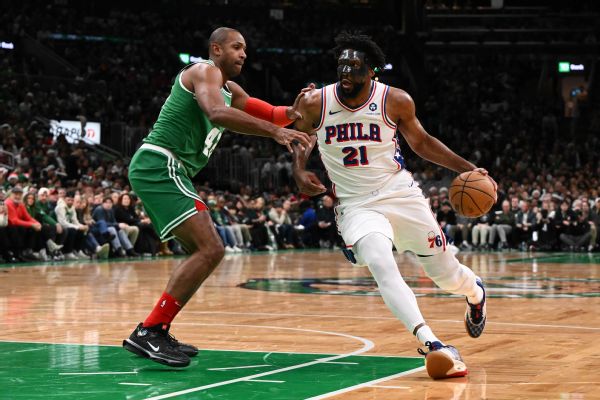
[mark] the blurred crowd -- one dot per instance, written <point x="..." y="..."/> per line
<point x="87" y="221"/>
<point x="523" y="221"/>
<point x="64" y="200"/>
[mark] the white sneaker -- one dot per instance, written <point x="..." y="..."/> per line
<point x="52" y="246"/>
<point x="81" y="255"/>
<point x="237" y="249"/>
<point x="44" y="255"/>
<point x="443" y="361"/>
<point x="102" y="251"/>
<point x="228" y="250"/>
<point x="71" y="257"/>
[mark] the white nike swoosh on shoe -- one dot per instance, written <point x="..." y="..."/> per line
<point x="157" y="348"/>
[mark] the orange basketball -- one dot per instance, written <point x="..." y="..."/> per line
<point x="472" y="194"/>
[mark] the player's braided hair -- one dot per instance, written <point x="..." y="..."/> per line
<point x="375" y="57"/>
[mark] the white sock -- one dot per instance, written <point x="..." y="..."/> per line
<point x="424" y="334"/>
<point x="375" y="250"/>
<point x="477" y="298"/>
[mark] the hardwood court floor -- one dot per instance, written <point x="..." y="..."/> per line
<point x="295" y="325"/>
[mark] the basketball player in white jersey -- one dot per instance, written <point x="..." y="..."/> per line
<point x="380" y="205"/>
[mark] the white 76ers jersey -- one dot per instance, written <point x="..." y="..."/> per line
<point x="358" y="146"/>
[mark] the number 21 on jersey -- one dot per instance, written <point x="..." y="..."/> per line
<point x="355" y="157"/>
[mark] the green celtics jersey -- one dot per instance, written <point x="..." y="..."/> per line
<point x="183" y="128"/>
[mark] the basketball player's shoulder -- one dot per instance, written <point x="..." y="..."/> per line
<point x="399" y="96"/>
<point x="203" y="71"/>
<point x="400" y="101"/>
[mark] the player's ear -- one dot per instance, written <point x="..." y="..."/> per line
<point x="216" y="49"/>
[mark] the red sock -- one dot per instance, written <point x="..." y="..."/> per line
<point x="164" y="311"/>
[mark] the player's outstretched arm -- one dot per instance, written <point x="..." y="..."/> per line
<point x="279" y="115"/>
<point x="402" y="109"/>
<point x="309" y="106"/>
<point x="207" y="82"/>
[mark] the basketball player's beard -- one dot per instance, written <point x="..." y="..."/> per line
<point x="356" y="88"/>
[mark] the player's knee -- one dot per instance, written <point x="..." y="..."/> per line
<point x="215" y="253"/>
<point x="441" y="268"/>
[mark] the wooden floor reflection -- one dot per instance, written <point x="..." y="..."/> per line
<point x="541" y="341"/>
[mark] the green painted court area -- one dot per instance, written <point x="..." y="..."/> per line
<point x="52" y="371"/>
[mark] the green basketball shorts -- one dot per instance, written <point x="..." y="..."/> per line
<point x="167" y="193"/>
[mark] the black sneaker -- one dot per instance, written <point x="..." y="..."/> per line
<point x="187" y="349"/>
<point x="155" y="343"/>
<point x="476" y="315"/>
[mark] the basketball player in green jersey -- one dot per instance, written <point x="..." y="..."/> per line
<point x="203" y="102"/>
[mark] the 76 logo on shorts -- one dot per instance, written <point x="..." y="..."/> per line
<point x="434" y="240"/>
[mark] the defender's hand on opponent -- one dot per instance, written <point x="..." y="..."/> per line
<point x="286" y="137"/>
<point x="308" y="183"/>
<point x="292" y="111"/>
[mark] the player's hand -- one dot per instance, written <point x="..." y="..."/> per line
<point x="37" y="227"/>
<point x="308" y="183"/>
<point x="59" y="229"/>
<point x="292" y="111"/>
<point x="286" y="137"/>
<point x="484" y="171"/>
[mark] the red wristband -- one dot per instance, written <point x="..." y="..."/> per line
<point x="263" y="110"/>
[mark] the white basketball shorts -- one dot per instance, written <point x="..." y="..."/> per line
<point x="399" y="211"/>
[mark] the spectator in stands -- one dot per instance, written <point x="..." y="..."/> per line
<point x="595" y="213"/>
<point x="240" y="231"/>
<point x="326" y="224"/>
<point x="143" y="237"/>
<point x="121" y="246"/>
<point x="563" y="220"/>
<point x="577" y="234"/>
<point x="230" y="224"/>
<point x="308" y="224"/>
<point x="447" y="220"/>
<point x="434" y="201"/>
<point x="223" y="230"/>
<point x="26" y="229"/>
<point x="544" y="234"/>
<point x="47" y="234"/>
<point x="76" y="232"/>
<point x="282" y="223"/>
<point x="480" y="231"/>
<point x="502" y="226"/>
<point x="6" y="239"/>
<point x="464" y="225"/>
<point x="3" y="172"/>
<point x="588" y="215"/>
<point x="42" y="210"/>
<point x="514" y="205"/>
<point x="524" y="225"/>
<point x="84" y="215"/>
<point x="238" y="214"/>
<point x="257" y="221"/>
<point x="122" y="212"/>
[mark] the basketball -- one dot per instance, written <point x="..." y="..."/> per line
<point x="472" y="194"/>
